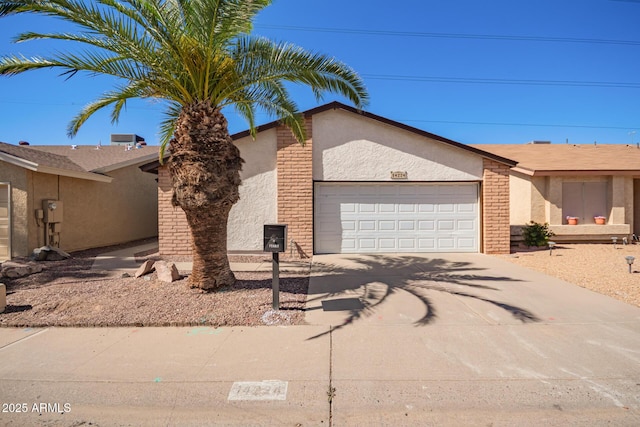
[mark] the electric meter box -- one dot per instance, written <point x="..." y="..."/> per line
<point x="275" y="237"/>
<point x="52" y="210"/>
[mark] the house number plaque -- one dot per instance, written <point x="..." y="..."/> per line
<point x="398" y="175"/>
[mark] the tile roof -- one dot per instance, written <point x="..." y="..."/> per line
<point x="564" y="159"/>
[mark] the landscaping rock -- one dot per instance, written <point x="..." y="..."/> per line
<point x="13" y="270"/>
<point x="145" y="268"/>
<point x="167" y="271"/>
<point x="49" y="253"/>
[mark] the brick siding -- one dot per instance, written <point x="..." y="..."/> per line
<point x="495" y="208"/>
<point x="174" y="237"/>
<point x="295" y="189"/>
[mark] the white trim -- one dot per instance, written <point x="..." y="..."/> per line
<point x="35" y="167"/>
<point x="10" y="235"/>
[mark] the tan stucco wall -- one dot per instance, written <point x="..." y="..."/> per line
<point x="347" y="147"/>
<point x="94" y="213"/>
<point x="520" y="199"/>
<point x="99" y="214"/>
<point x="258" y="204"/>
<point x="17" y="178"/>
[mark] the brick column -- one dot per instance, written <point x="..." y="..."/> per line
<point x="174" y="237"/>
<point x="495" y="208"/>
<point x="295" y="189"/>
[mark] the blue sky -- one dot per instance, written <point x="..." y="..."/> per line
<point x="476" y="72"/>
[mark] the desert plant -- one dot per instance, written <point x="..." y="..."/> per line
<point x="535" y="234"/>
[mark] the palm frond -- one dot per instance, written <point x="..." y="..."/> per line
<point x="182" y="51"/>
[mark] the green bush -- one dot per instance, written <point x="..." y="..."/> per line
<point x="535" y="234"/>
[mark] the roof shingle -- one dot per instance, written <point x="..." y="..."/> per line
<point x="549" y="159"/>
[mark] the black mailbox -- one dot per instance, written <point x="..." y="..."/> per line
<point x="275" y="237"/>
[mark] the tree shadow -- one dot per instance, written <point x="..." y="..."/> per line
<point x="373" y="279"/>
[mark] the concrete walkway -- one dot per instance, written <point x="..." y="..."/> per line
<point x="412" y="340"/>
<point x="124" y="261"/>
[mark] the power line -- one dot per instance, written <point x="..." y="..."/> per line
<point x="528" y="82"/>
<point x="556" y="125"/>
<point x="451" y="35"/>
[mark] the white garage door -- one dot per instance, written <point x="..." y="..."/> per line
<point x="394" y="217"/>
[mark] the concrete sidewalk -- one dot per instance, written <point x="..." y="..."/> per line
<point x="392" y="341"/>
<point x="124" y="261"/>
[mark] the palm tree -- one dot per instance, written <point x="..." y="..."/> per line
<point x="198" y="57"/>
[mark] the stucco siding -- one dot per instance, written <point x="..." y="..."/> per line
<point x="347" y="147"/>
<point x="258" y="193"/>
<point x="520" y="196"/>
<point x="100" y="214"/>
<point x="94" y="214"/>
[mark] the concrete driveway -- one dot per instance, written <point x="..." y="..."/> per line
<point x="459" y="340"/>
<point x="469" y="334"/>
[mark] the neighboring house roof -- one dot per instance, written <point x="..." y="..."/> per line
<point x="104" y="159"/>
<point x="85" y="162"/>
<point x="153" y="166"/>
<point x="570" y="159"/>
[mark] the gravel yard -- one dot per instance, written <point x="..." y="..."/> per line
<point x="599" y="267"/>
<point x="69" y="293"/>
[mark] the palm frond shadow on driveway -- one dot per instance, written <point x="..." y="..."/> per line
<point x="369" y="281"/>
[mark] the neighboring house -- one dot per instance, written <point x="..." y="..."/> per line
<point x="361" y="184"/>
<point x="100" y="197"/>
<point x="554" y="181"/>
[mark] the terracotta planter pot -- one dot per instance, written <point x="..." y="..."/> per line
<point x="600" y="221"/>
<point x="572" y="221"/>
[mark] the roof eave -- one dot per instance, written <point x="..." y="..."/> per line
<point x="129" y="162"/>
<point x="581" y="172"/>
<point x="35" y="167"/>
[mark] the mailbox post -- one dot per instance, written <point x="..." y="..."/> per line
<point x="275" y="241"/>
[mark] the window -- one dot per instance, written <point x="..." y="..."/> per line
<point x="584" y="200"/>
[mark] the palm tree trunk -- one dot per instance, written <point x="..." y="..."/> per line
<point x="205" y="174"/>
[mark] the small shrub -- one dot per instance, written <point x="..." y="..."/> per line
<point x="535" y="234"/>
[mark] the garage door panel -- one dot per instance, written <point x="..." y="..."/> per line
<point x="388" y="208"/>
<point x="466" y="243"/>
<point x="388" y="244"/>
<point x="349" y="225"/>
<point x="364" y="217"/>
<point x="407" y="244"/>
<point x="406" y="225"/>
<point x="466" y="225"/>
<point x="446" y="243"/>
<point x="446" y="208"/>
<point x="346" y="207"/>
<point x="367" y="244"/>
<point x="446" y="225"/>
<point x="387" y="225"/>
<point x="429" y="225"/>
<point x="367" y="225"/>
